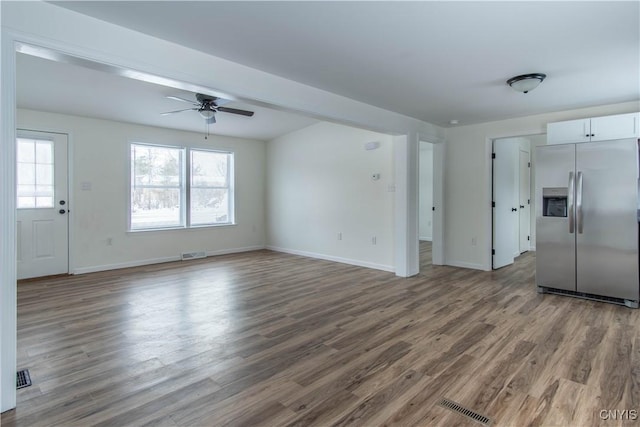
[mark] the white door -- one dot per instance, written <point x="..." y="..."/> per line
<point x="42" y="202"/>
<point x="437" y="248"/>
<point x="524" y="209"/>
<point x="505" y="199"/>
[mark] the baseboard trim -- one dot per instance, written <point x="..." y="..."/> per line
<point x="464" y="264"/>
<point x="150" y="261"/>
<point x="341" y="260"/>
<point x="235" y="250"/>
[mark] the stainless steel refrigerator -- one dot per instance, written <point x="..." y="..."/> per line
<point x="587" y="220"/>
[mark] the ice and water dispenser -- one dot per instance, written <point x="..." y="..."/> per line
<point x="554" y="201"/>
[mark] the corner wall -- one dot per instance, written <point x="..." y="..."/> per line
<point x="100" y="157"/>
<point x="320" y="187"/>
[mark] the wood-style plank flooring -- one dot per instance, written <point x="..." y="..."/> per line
<point x="270" y="339"/>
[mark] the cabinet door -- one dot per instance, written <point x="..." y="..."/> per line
<point x="614" y="127"/>
<point x="568" y="132"/>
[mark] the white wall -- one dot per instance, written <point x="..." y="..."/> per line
<point x="426" y="191"/>
<point x="319" y="184"/>
<point x="99" y="156"/>
<point x="468" y="179"/>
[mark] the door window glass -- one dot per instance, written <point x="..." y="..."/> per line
<point x="34" y="173"/>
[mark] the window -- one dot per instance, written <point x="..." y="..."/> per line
<point x="210" y="187"/>
<point x="157" y="187"/>
<point x="34" y="173"/>
<point x="161" y="197"/>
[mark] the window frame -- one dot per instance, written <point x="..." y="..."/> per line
<point x="182" y="188"/>
<point x="35" y="141"/>
<point x="185" y="187"/>
<point x="228" y="187"/>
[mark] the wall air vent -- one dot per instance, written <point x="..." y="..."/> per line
<point x="193" y="255"/>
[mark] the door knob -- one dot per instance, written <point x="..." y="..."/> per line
<point x="521" y="207"/>
<point x="62" y="211"/>
<point x="62" y="202"/>
<point x="514" y="209"/>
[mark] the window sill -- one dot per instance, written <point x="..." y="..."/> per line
<point x="193" y="227"/>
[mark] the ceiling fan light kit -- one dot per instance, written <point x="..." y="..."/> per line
<point x="207" y="106"/>
<point x="526" y="82"/>
<point x="206" y="113"/>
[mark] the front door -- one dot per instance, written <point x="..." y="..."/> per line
<point x="42" y="202"/>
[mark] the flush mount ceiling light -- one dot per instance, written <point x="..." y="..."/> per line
<point x="526" y="82"/>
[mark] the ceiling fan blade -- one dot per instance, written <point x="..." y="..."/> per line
<point x="211" y="120"/>
<point x="221" y="101"/>
<point x="176" y="98"/>
<point x="178" y="111"/>
<point x="236" y="111"/>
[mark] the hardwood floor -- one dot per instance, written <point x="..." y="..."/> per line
<point x="269" y="339"/>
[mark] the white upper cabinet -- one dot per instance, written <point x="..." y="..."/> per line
<point x="569" y="131"/>
<point x="615" y="127"/>
<point x="594" y="129"/>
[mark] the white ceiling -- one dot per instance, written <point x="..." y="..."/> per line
<point x="435" y="61"/>
<point x="46" y="85"/>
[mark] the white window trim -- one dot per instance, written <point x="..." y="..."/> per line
<point x="229" y="187"/>
<point x="185" y="188"/>
<point x="182" y="187"/>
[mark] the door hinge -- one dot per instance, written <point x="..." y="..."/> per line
<point x="528" y="201"/>
<point x="493" y="251"/>
<point x="493" y="155"/>
<point x="433" y="208"/>
<point x="493" y="204"/>
<point x="527" y="237"/>
<point x="529" y="164"/>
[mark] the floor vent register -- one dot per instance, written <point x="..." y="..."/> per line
<point x="456" y="407"/>
<point x="23" y="379"/>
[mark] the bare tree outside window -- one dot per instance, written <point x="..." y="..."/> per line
<point x="209" y="187"/>
<point x="156" y="175"/>
<point x="159" y="190"/>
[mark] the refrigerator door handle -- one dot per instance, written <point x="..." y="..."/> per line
<point x="570" y="201"/>
<point x="579" y="203"/>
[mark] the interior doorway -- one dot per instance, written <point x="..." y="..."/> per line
<point x="426" y="205"/>
<point x="513" y="221"/>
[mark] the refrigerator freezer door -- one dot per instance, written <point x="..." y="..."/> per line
<point x="607" y="223"/>
<point x="555" y="243"/>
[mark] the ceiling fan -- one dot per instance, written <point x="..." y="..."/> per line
<point x="208" y="106"/>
